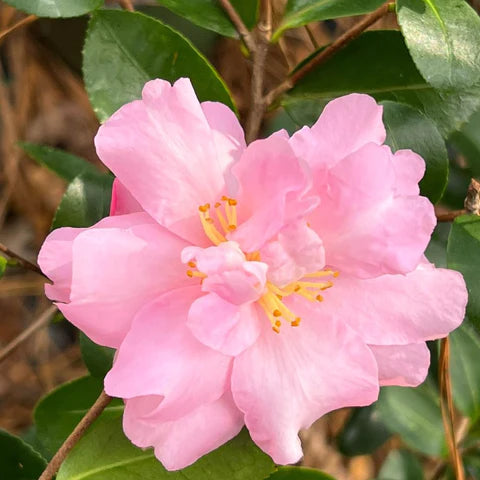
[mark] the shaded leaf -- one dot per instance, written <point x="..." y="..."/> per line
<point x="301" y="12"/>
<point x="210" y="15"/>
<point x="408" y="128"/>
<point x="19" y="461"/>
<point x="104" y="453"/>
<point x="463" y="255"/>
<point x="123" y="50"/>
<point x="401" y="465"/>
<point x="465" y="370"/>
<point x="443" y="37"/>
<point x="56" y="8"/>
<point x="414" y="413"/>
<point x="62" y="163"/>
<point x="58" y="413"/>
<point x="378" y="63"/>
<point x="98" y="359"/>
<point x="298" y="473"/>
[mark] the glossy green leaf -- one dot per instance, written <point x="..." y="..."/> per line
<point x="85" y="202"/>
<point x="443" y="37"/>
<point x="3" y="265"/>
<point x="56" y="8"/>
<point x="378" y="63"/>
<point x="97" y="359"/>
<point x="363" y="432"/>
<point x="298" y="473"/>
<point x="62" y="163"/>
<point x="58" y="413"/>
<point x="401" y="465"/>
<point x="18" y="460"/>
<point x="123" y="50"/>
<point x="104" y="453"/>
<point x="465" y="370"/>
<point x="414" y="413"/>
<point x="210" y="15"/>
<point x="407" y="128"/>
<point x="301" y="12"/>
<point x="463" y="255"/>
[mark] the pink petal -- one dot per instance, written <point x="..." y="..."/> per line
<point x="345" y="125"/>
<point x="116" y="271"/>
<point x="296" y="251"/>
<point x="172" y="363"/>
<point x="181" y="442"/>
<point x="402" y="365"/>
<point x="163" y="150"/>
<point x="285" y="381"/>
<point x="223" y="326"/>
<point x="366" y="228"/>
<point x="425" y="304"/>
<point x="409" y="170"/>
<point x="123" y="201"/>
<point x="272" y="184"/>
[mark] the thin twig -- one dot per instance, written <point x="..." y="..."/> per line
<point x="322" y="55"/>
<point x="238" y="24"/>
<point x="126" y="5"/>
<point x="446" y="404"/>
<point x="97" y="408"/>
<point x="262" y="35"/>
<point x="22" y="261"/>
<point x="41" y="322"/>
<point x="21" y="23"/>
<point x="311" y="36"/>
<point x="450" y="216"/>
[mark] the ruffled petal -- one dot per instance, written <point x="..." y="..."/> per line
<point x="402" y="365"/>
<point x="285" y="381"/>
<point x="409" y="170"/>
<point x="425" y="304"/>
<point x="116" y="271"/>
<point x="172" y="364"/>
<point x="162" y="145"/>
<point x="223" y="326"/>
<point x="181" y="442"/>
<point x="272" y="183"/>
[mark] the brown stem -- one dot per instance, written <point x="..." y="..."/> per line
<point x="126" y="5"/>
<point x="322" y="55"/>
<point x="262" y="34"/>
<point x="24" y="21"/>
<point x="450" y="216"/>
<point x="41" y="322"/>
<point x="22" y="261"/>
<point x="238" y="24"/>
<point x="446" y="404"/>
<point x="97" y="408"/>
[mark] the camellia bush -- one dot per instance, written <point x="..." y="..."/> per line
<point x="234" y="278"/>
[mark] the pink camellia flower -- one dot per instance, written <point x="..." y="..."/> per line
<point x="262" y="286"/>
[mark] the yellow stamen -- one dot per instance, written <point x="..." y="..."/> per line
<point x="209" y="226"/>
<point x="192" y="274"/>
<point x="321" y="285"/>
<point x="221" y="218"/>
<point x="192" y="264"/>
<point x="253" y="256"/>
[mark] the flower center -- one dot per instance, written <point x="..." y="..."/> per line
<point x="309" y="286"/>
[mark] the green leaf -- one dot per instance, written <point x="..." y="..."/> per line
<point x="363" y="433"/>
<point x="463" y="255"/>
<point x="465" y="370"/>
<point x="443" y="37"/>
<point x="298" y="473"/>
<point x="104" y="453"/>
<point x="378" y="63"/>
<point x="58" y="413"/>
<point x="301" y="12"/>
<point x="123" y="50"/>
<point x="3" y="265"/>
<point x="98" y="359"/>
<point x="414" y="413"/>
<point x="62" y="163"/>
<point x="408" y="128"/>
<point x="19" y="461"/>
<point x="401" y="465"/>
<point x="210" y="15"/>
<point x="56" y="8"/>
<point x="85" y="202"/>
